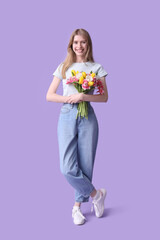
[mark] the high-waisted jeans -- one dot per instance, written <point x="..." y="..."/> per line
<point x="77" y="139"/>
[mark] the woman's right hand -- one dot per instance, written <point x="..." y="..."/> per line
<point x="75" y="98"/>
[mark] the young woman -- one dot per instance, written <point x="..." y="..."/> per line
<point x="77" y="138"/>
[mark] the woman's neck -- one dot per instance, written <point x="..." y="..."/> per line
<point x="80" y="60"/>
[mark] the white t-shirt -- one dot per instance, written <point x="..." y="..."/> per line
<point x="69" y="89"/>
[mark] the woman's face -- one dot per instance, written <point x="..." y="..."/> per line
<point x="79" y="45"/>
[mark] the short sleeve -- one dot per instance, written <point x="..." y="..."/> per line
<point x="101" y="72"/>
<point x="58" y="72"/>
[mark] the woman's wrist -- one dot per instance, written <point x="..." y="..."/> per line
<point x="82" y="96"/>
<point x="66" y="99"/>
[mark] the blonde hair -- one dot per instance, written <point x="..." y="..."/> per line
<point x="71" y="56"/>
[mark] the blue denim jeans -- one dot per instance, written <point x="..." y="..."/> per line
<point x="77" y="140"/>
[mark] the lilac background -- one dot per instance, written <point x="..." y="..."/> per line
<point x="36" y="200"/>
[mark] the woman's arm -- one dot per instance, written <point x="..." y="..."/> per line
<point x="98" y="97"/>
<point x="91" y="98"/>
<point x="51" y="95"/>
<point x="74" y="98"/>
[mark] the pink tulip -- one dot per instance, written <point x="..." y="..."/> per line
<point x="85" y="85"/>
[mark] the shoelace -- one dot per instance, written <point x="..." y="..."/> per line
<point x="79" y="212"/>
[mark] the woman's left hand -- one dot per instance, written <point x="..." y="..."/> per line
<point x="75" y="98"/>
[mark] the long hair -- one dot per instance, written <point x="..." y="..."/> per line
<point x="71" y="56"/>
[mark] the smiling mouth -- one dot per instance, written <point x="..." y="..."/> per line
<point x="79" y="50"/>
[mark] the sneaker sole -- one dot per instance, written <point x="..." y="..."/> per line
<point x="79" y="223"/>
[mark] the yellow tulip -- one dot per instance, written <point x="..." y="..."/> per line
<point x="73" y="72"/>
<point x="93" y="75"/>
<point x="77" y="72"/>
<point x="90" y="83"/>
<point x="81" y="80"/>
<point x="84" y="74"/>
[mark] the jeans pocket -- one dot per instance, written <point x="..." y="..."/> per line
<point x="65" y="109"/>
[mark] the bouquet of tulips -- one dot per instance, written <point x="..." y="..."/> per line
<point x="84" y="82"/>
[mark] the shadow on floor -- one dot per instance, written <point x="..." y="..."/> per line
<point x="108" y="212"/>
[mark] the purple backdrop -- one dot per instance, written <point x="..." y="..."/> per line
<point x="36" y="200"/>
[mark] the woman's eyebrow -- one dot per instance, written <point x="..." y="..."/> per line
<point x="80" y="41"/>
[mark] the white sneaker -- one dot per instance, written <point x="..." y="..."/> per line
<point x="77" y="216"/>
<point x="98" y="202"/>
